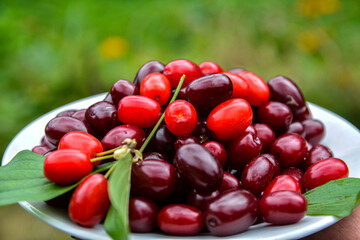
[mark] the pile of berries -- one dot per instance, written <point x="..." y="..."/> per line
<point x="231" y="152"/>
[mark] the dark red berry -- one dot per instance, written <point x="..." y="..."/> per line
<point x="142" y="215"/>
<point x="283" y="207"/>
<point x="147" y="68"/>
<point x="198" y="168"/>
<point x="121" y="89"/>
<point x="232" y="212"/>
<point x="290" y="150"/>
<point x="243" y="149"/>
<point x="180" y="219"/>
<point x="153" y="179"/>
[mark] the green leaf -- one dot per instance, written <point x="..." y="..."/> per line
<point x="337" y="198"/>
<point x="22" y="179"/>
<point x="116" y="222"/>
<point x="103" y="167"/>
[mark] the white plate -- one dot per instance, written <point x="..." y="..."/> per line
<point x="342" y="137"/>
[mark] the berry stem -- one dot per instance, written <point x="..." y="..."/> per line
<point x="107" y="152"/>
<point x="101" y="158"/>
<point x="110" y="170"/>
<point x="162" y="116"/>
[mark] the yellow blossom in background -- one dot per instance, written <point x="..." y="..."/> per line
<point x="113" y="47"/>
<point x="309" y="41"/>
<point x="316" y="8"/>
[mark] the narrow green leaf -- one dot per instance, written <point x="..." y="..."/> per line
<point x="337" y="198"/>
<point x="103" y="167"/>
<point x="112" y="223"/>
<point x="116" y="222"/>
<point x="22" y="179"/>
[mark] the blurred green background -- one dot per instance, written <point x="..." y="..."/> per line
<point x="55" y="52"/>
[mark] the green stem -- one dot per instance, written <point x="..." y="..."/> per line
<point x="101" y="158"/>
<point x="163" y="115"/>
<point x="107" y="152"/>
<point x="110" y="170"/>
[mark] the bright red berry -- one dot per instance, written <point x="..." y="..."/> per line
<point x="259" y="91"/>
<point x="324" y="171"/>
<point x="209" y="68"/>
<point x="174" y="70"/>
<point x="230" y="118"/>
<point x="90" y="201"/>
<point x="157" y="87"/>
<point x="181" y="117"/>
<point x="139" y="111"/>
<point x="67" y="166"/>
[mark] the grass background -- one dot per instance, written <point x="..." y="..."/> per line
<point x="52" y="53"/>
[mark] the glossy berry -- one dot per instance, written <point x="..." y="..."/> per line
<point x="296" y="173"/>
<point x="303" y="114"/>
<point x="90" y="201"/>
<point x="147" y="68"/>
<point x="181" y="117"/>
<point x="314" y="131"/>
<point x="142" y="215"/>
<point x="185" y="139"/>
<point x="209" y="68"/>
<point x="274" y="162"/>
<point x="84" y="142"/>
<point x="236" y="70"/>
<point x="258" y="90"/>
<point x="108" y="98"/>
<point x="201" y="131"/>
<point x="266" y="135"/>
<point x="296" y="127"/>
<point x="139" y="111"/>
<point x="201" y="200"/>
<point x="232" y="212"/>
<point x="102" y="116"/>
<point x="283" y="89"/>
<point x="41" y="149"/>
<point x="324" y="171"/>
<point x="207" y="92"/>
<point x="317" y="153"/>
<point x="174" y="70"/>
<point x="115" y="137"/>
<point x="121" y="89"/>
<point x="180" y="219"/>
<point x="283" y="182"/>
<point x="257" y="174"/>
<point x="240" y="86"/>
<point x="283" y="207"/>
<point x="157" y="87"/>
<point x="162" y="141"/>
<point x="277" y="115"/>
<point x="66" y="113"/>
<point x="80" y="114"/>
<point x="227" y="126"/>
<point x="242" y="149"/>
<point x="198" y="168"/>
<point x="154" y="156"/>
<point x="67" y="166"/>
<point x="218" y="151"/>
<point x="59" y="126"/>
<point x="229" y="182"/>
<point x="153" y="179"/>
<point x="290" y="150"/>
